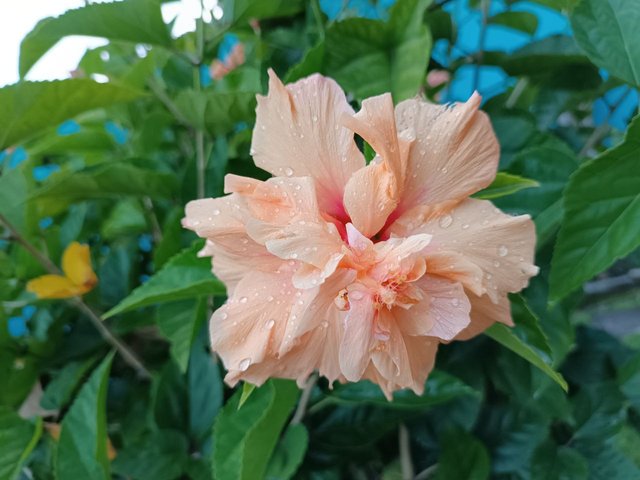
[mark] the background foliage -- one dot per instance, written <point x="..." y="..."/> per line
<point x="112" y="163"/>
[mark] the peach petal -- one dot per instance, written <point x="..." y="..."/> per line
<point x="502" y="246"/>
<point x="455" y="155"/>
<point x="358" y="333"/>
<point x="484" y="313"/>
<point x="297" y="133"/>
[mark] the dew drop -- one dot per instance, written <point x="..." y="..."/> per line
<point x="288" y="171"/>
<point x="224" y="316"/>
<point x="496" y="264"/>
<point x="216" y="212"/>
<point x="270" y="323"/>
<point x="445" y="221"/>
<point x="455" y="302"/>
<point x="270" y="298"/>
<point x="324" y="324"/>
<point x="503" y="250"/>
<point x="465" y="226"/>
<point x="243" y="299"/>
<point x="244" y="364"/>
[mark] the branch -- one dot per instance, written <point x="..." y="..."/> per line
<point x="304" y="399"/>
<point x="127" y="354"/>
<point x="405" y="452"/>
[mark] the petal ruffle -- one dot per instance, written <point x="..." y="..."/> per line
<point x="298" y="133"/>
<point x="455" y="153"/>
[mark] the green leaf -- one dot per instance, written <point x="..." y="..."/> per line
<point x="106" y="180"/>
<point x="216" y="112"/>
<point x="440" y="388"/>
<point x="14" y="189"/>
<point x="312" y="62"/>
<point x="18" y="437"/>
<point x="137" y="21"/>
<point x="506" y="184"/>
<point x="462" y="456"/>
<point x="170" y="399"/>
<point x="206" y="390"/>
<point x="504" y="336"/>
<point x="550" y="164"/>
<point x="161" y="455"/>
<point x="180" y="323"/>
<point x="608" y="31"/>
<point x="369" y="57"/>
<point x="539" y="57"/>
<point x="555" y="462"/>
<point x="82" y="448"/>
<point x="60" y="389"/>
<point x="245" y="439"/>
<point x="526" y="22"/>
<point x="30" y="107"/>
<point x="238" y="11"/>
<point x="184" y="276"/>
<point x="601" y="211"/>
<point x="126" y="218"/>
<point x="288" y="454"/>
<point x="527" y="325"/>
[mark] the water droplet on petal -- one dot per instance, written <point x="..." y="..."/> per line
<point x="455" y="302"/>
<point x="496" y="264"/>
<point x="243" y="299"/>
<point x="503" y="250"/>
<point x="224" y="315"/>
<point x="244" y="364"/>
<point x="270" y="323"/>
<point x="465" y="226"/>
<point x="270" y="298"/>
<point x="288" y="171"/>
<point x="445" y="221"/>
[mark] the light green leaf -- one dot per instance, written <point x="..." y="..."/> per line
<point x="216" y="112"/>
<point x="245" y="439"/>
<point x="506" y="184"/>
<point x="137" y="21"/>
<point x="288" y="454"/>
<point x="30" y="107"/>
<point x="526" y="22"/>
<point x="462" y="456"/>
<point x="14" y="189"/>
<point x="369" y="57"/>
<point x="247" y="390"/>
<point x="440" y="388"/>
<point x="82" y="448"/>
<point x="601" y="211"/>
<point x="184" y="276"/>
<point x="18" y="437"/>
<point x="504" y="336"/>
<point x="106" y="180"/>
<point x="312" y="62"/>
<point x="555" y="462"/>
<point x="608" y="31"/>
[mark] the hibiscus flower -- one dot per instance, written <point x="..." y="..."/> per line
<point x="359" y="271"/>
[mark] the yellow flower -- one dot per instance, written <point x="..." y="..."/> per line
<point x="79" y="278"/>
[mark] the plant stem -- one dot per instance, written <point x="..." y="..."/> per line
<point x="304" y="399"/>
<point x="153" y="218"/>
<point x="426" y="473"/>
<point x="405" y="452"/>
<point x="599" y="133"/>
<point x="201" y="164"/>
<point x="127" y="354"/>
<point x="484" y="9"/>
